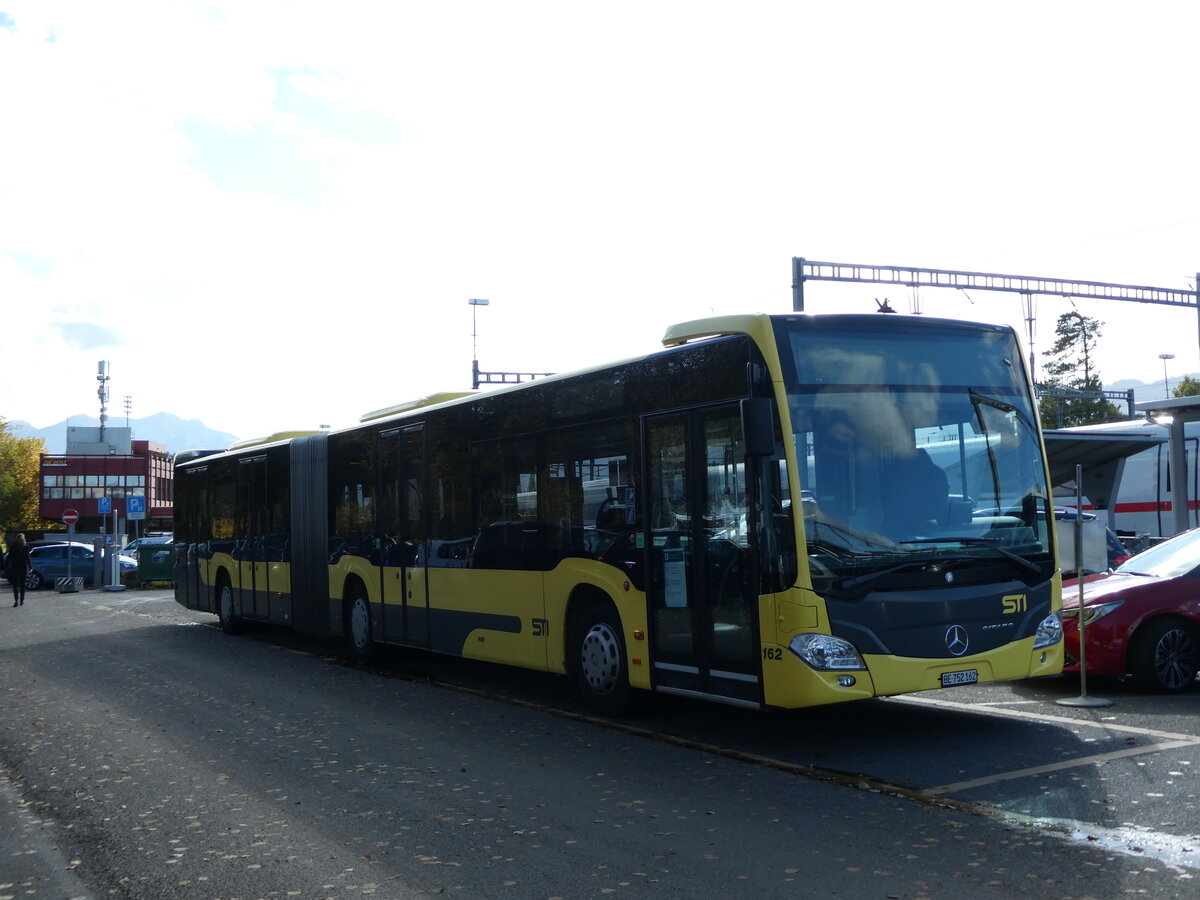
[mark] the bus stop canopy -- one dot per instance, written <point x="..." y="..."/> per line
<point x="1102" y="455"/>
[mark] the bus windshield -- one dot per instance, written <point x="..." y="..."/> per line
<point x="917" y="447"/>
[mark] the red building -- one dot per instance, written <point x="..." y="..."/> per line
<point x="103" y="464"/>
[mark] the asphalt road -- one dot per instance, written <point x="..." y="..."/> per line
<point x="143" y="753"/>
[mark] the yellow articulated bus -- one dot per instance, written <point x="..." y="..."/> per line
<point x="772" y="511"/>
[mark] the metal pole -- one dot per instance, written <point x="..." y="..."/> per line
<point x="1166" y="387"/>
<point x="1083" y="699"/>
<point x="475" y="303"/>
<point x="798" y="283"/>
<point x="1180" y="492"/>
<point x="1030" y="323"/>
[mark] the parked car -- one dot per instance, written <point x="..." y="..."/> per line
<point x="1142" y="619"/>
<point x="1117" y="551"/>
<point x="49" y="562"/>
<point x="1102" y="548"/>
<point x="161" y="541"/>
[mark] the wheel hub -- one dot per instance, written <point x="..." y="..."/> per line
<point x="359" y="624"/>
<point x="600" y="659"/>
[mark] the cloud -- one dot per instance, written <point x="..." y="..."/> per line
<point x="36" y="266"/>
<point x="326" y="106"/>
<point x="255" y="159"/>
<point x="86" y="335"/>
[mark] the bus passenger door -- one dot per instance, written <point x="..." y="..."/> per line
<point x="251" y="513"/>
<point x="702" y="599"/>
<point x="415" y="534"/>
<point x="191" y="486"/>
<point x="403" y="536"/>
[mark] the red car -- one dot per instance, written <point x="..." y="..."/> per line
<point x="1143" y="618"/>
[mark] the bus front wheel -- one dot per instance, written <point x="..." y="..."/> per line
<point x="601" y="669"/>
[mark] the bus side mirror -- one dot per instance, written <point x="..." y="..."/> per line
<point x="758" y="426"/>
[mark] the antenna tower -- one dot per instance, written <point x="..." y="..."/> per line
<point x="103" y="376"/>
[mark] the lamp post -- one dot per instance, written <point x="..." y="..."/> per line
<point x="475" y="303"/>
<point x="1164" y="357"/>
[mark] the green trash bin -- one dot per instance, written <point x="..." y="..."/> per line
<point x="155" y="563"/>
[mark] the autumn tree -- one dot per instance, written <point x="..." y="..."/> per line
<point x="20" y="464"/>
<point x="1071" y="371"/>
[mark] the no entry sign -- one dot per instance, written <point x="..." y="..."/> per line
<point x="70" y="516"/>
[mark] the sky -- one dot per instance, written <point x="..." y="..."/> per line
<point x="270" y="215"/>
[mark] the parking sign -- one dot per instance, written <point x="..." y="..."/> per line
<point x="104" y="505"/>
<point x="135" y="508"/>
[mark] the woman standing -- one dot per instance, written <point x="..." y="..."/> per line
<point x="17" y="567"/>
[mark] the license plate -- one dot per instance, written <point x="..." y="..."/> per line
<point x="966" y="676"/>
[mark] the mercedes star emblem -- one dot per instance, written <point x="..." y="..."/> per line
<point x="956" y="640"/>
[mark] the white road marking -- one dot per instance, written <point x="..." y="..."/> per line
<point x="942" y="790"/>
<point x="988" y="709"/>
<point x="1143" y="843"/>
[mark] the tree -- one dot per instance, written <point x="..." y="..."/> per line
<point x="1187" y="387"/>
<point x="1071" y="370"/>
<point x="20" y="482"/>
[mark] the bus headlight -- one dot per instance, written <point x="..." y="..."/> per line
<point x="825" y="652"/>
<point x="1050" y="632"/>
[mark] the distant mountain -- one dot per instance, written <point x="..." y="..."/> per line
<point x="162" y="428"/>
<point x="1126" y="383"/>
<point x="1148" y="390"/>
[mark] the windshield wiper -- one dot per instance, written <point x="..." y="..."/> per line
<point x="859" y="543"/>
<point x="990" y="543"/>
<point x="1004" y="407"/>
<point x="844" y="584"/>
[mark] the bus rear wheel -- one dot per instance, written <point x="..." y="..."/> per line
<point x="601" y="668"/>
<point x="230" y="623"/>
<point x="360" y="642"/>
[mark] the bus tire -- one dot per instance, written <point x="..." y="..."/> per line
<point x="230" y="623"/>
<point x="600" y="664"/>
<point x="360" y="641"/>
<point x="1164" y="656"/>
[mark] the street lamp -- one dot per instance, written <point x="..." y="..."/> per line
<point x="475" y="303"/>
<point x="1164" y="357"/>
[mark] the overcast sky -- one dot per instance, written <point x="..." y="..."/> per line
<point x="271" y="215"/>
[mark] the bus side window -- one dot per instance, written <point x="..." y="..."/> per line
<point x="590" y="495"/>
<point x="507" y="498"/>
